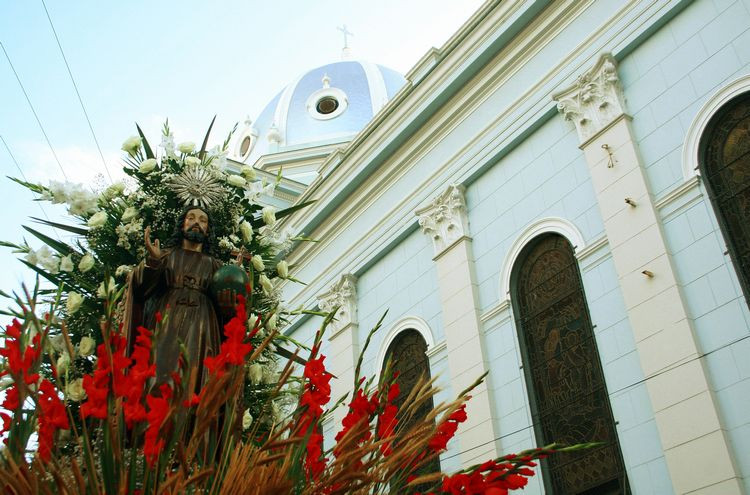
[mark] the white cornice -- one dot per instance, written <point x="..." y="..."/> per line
<point x="678" y="192"/>
<point x="496" y="310"/>
<point x="591" y="248"/>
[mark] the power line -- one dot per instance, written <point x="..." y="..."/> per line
<point x="622" y="389"/>
<point x="78" y="94"/>
<point x="34" y="111"/>
<point x="20" y="171"/>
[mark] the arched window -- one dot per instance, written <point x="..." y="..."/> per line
<point x="567" y="393"/>
<point x="725" y="168"/>
<point x="408" y="356"/>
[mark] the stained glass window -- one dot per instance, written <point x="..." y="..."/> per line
<point x="564" y="377"/>
<point x="725" y="168"/>
<point x="408" y="355"/>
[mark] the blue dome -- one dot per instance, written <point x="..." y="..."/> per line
<point x="327" y="104"/>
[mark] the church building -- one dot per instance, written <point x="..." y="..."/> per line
<point x="558" y="196"/>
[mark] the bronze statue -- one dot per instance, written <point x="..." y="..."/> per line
<point x="174" y="282"/>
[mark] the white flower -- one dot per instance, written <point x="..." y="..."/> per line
<point x="114" y="190"/>
<point x="255" y="373"/>
<point x="236" y="180"/>
<point x="248" y="172"/>
<point x="98" y="220"/>
<point x="167" y="142"/>
<point x="86" y="346"/>
<point x="192" y="161"/>
<point x="147" y="166"/>
<point x="258" y="264"/>
<point x="123" y="270"/>
<point x="31" y="257"/>
<point x="75" y="390"/>
<point x="74" y="302"/>
<point x="283" y="269"/>
<point x="86" y="263"/>
<point x="186" y="147"/>
<point x="48" y="260"/>
<point x="129" y="214"/>
<point x="132" y="145"/>
<point x="58" y="191"/>
<point x="106" y="288"/>
<point x="66" y="264"/>
<point x="269" y="215"/>
<point x="247" y="231"/>
<point x="218" y="157"/>
<point x="265" y="283"/>
<point x="63" y="362"/>
<point x="272" y="322"/>
<point x="247" y="420"/>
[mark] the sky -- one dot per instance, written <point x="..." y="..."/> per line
<point x="143" y="61"/>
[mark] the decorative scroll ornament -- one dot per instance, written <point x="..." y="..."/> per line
<point x="197" y="186"/>
<point x="595" y="100"/>
<point x="344" y="295"/>
<point x="445" y="219"/>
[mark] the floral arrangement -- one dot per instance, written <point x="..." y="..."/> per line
<point x="107" y="230"/>
<point x="82" y="413"/>
<point x="136" y="440"/>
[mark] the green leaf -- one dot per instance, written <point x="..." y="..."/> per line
<point x="205" y="140"/>
<point x="68" y="228"/>
<point x="146" y="147"/>
<point x="58" y="246"/>
<point x="39" y="189"/>
<point x="258" y="222"/>
<point x="42" y="272"/>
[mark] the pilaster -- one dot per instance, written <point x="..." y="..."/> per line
<point x="685" y="410"/>
<point x="446" y="222"/>
<point x="343" y="338"/>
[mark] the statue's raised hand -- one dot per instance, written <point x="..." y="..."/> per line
<point x="153" y="249"/>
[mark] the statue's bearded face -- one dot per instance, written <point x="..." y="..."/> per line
<point x="195" y="227"/>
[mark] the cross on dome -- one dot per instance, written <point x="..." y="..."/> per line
<point x="346" y="33"/>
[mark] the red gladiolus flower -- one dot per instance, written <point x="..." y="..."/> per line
<point x="97" y="386"/>
<point x="52" y="417"/>
<point x="234" y="349"/>
<point x="447" y="429"/>
<point x="317" y="393"/>
<point x="387" y="420"/>
<point x="156" y="416"/>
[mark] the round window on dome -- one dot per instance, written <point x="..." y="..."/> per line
<point x="245" y="146"/>
<point x="327" y="105"/>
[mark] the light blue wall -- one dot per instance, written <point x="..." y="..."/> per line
<point x="667" y="80"/>
<point x="672" y="74"/>
<point x="545" y="176"/>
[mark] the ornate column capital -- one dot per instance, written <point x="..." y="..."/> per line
<point x="595" y="100"/>
<point x="343" y="294"/>
<point x="445" y="219"/>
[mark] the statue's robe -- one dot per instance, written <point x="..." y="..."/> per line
<point x="177" y="286"/>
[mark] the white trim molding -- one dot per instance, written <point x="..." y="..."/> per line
<point x="690" y="148"/>
<point x="405" y="323"/>
<point x="550" y="224"/>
